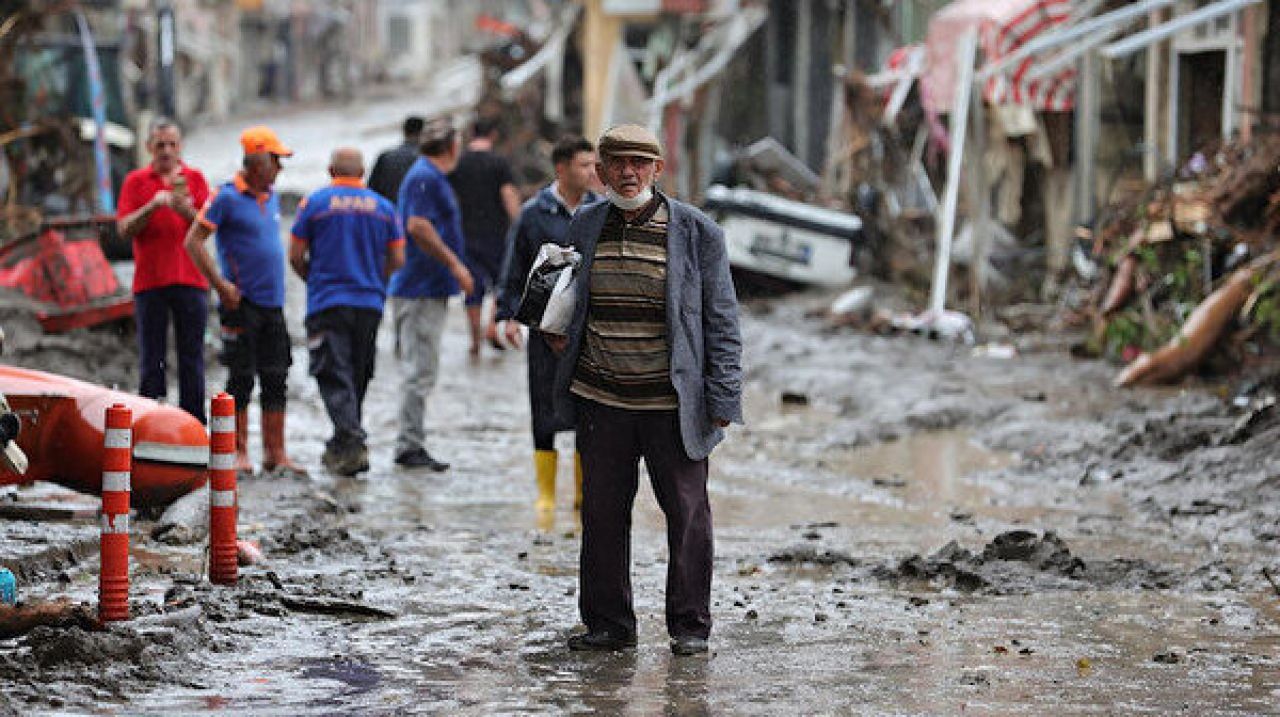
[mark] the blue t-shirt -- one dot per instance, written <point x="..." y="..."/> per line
<point x="250" y="250"/>
<point x="348" y="229"/>
<point x="425" y="192"/>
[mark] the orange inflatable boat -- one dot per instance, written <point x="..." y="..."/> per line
<point x="62" y="435"/>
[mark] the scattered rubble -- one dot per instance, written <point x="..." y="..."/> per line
<point x="1192" y="269"/>
<point x="185" y="521"/>
<point x="1013" y="563"/>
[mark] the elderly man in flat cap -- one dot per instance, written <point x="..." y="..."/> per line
<point x="650" y="368"/>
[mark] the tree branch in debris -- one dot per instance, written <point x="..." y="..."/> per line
<point x="1198" y="335"/>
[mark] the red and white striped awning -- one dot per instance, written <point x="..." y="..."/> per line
<point x="1003" y="26"/>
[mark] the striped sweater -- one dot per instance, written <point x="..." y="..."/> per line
<point x="625" y="361"/>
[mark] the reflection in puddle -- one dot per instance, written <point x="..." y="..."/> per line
<point x="919" y="480"/>
<point x="927" y="464"/>
<point x="357" y="676"/>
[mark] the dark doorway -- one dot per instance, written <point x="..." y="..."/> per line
<point x="1200" y="97"/>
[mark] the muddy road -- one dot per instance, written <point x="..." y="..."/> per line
<point x="901" y="528"/>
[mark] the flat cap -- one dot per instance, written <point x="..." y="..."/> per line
<point x="630" y="140"/>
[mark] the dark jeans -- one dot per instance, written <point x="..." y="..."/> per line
<point x="342" y="344"/>
<point x="188" y="306"/>
<point x="255" y="343"/>
<point x="612" y="442"/>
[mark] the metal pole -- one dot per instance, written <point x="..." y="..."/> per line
<point x="800" y="80"/>
<point x="1151" y="109"/>
<point x="1231" y="77"/>
<point x="1172" y="105"/>
<point x="1086" y="130"/>
<point x="980" y="209"/>
<point x="966" y="51"/>
<point x="1139" y="40"/>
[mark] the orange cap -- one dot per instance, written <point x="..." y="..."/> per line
<point x="260" y="139"/>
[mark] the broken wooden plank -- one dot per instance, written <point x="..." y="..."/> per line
<point x="1274" y="586"/>
<point x="45" y="511"/>
<point x="333" y="606"/>
<point x="18" y="620"/>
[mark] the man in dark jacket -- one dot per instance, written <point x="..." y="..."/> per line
<point x="544" y="219"/>
<point x="391" y="166"/>
<point x="650" y="368"/>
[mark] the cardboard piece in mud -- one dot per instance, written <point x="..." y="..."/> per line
<point x="548" y="300"/>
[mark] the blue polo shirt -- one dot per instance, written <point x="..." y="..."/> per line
<point x="348" y="229"/>
<point x="425" y="192"/>
<point x="250" y="250"/>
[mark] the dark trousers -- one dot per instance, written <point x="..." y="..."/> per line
<point x="542" y="376"/>
<point x="188" y="307"/>
<point x="342" y="345"/>
<point x="612" y="442"/>
<point x="255" y="343"/>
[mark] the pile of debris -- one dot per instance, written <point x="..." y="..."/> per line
<point x="1193" y="268"/>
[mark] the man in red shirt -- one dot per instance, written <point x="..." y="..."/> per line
<point x="157" y="205"/>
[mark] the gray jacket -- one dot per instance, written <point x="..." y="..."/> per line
<point x="702" y="323"/>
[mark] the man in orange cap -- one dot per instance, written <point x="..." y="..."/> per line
<point x="249" y="279"/>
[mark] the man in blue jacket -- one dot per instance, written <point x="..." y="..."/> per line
<point x="650" y="368"/>
<point x="545" y="219"/>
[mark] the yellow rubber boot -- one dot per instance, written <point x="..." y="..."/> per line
<point x="577" y="480"/>
<point x="544" y="467"/>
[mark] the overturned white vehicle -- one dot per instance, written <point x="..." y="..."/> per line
<point x="778" y="238"/>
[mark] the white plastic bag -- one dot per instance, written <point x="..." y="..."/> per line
<point x="548" y="300"/>
<point x="559" y="311"/>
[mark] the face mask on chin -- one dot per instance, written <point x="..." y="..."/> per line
<point x="629" y="205"/>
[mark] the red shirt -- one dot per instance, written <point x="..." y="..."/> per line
<point x="159" y="257"/>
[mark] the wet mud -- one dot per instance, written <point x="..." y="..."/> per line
<point x="104" y="354"/>
<point x="902" y="527"/>
<point x="876" y="553"/>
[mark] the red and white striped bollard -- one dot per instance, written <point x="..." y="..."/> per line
<point x="224" y="569"/>
<point x="117" y="463"/>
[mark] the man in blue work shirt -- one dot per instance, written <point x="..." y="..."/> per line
<point x="245" y="213"/>
<point x="346" y="241"/>
<point x="433" y="271"/>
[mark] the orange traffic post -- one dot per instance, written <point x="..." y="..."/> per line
<point x="117" y="462"/>
<point x="223" y="566"/>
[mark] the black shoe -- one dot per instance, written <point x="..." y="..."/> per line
<point x="419" y="458"/>
<point x="689" y="645"/>
<point x="600" y="642"/>
<point x="347" y="462"/>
